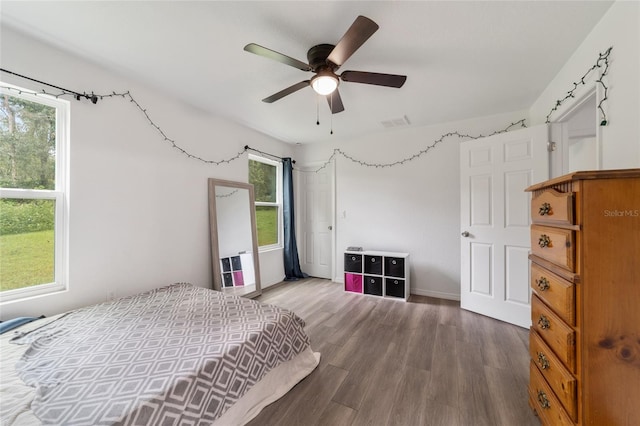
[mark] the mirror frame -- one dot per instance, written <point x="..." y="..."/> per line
<point x="213" y="229"/>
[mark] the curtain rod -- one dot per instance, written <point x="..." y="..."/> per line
<point x="92" y="97"/>
<point x="248" y="148"/>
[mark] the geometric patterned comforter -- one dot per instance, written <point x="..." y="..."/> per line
<point x="175" y="355"/>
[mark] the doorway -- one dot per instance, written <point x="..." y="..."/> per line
<point x="576" y="137"/>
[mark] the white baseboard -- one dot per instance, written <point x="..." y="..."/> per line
<point x="436" y="294"/>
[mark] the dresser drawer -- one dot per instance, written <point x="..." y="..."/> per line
<point x="554" y="244"/>
<point x="555" y="332"/>
<point x="543" y="400"/>
<point x="557" y="293"/>
<point x="557" y="376"/>
<point x="551" y="206"/>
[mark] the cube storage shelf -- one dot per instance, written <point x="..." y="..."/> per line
<point x="377" y="273"/>
<point x="233" y="269"/>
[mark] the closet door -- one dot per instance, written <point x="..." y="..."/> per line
<point x="315" y="215"/>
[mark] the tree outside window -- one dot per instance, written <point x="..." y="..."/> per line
<point x="265" y="175"/>
<point x="32" y="235"/>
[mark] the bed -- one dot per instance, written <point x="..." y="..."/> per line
<point x="179" y="354"/>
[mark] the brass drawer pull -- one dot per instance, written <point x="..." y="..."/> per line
<point x="543" y="361"/>
<point x="545" y="209"/>
<point x="544" y="241"/>
<point x="543" y="400"/>
<point x="543" y="322"/>
<point x="542" y="283"/>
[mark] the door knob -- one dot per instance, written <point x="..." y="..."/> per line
<point x="465" y="234"/>
<point x="330" y="227"/>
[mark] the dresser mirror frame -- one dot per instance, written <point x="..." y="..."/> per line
<point x="244" y="224"/>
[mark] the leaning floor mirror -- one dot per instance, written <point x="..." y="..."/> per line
<point x="234" y="243"/>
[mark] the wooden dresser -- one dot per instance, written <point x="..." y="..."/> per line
<point x="585" y="309"/>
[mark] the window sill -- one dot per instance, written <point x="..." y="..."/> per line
<point x="267" y="249"/>
<point x="22" y="294"/>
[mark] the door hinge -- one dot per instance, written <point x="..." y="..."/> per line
<point x="551" y="146"/>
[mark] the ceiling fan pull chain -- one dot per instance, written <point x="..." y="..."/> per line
<point x="317" y="110"/>
<point x="331" y="113"/>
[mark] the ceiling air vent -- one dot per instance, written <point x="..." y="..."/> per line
<point x="396" y="122"/>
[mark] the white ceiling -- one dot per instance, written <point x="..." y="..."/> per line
<point x="462" y="59"/>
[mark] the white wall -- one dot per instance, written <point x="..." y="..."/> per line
<point x="413" y="208"/>
<point x="138" y="208"/>
<point x="620" y="28"/>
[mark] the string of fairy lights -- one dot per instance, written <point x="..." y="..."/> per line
<point x="230" y="194"/>
<point x="424" y="151"/>
<point x="601" y="64"/>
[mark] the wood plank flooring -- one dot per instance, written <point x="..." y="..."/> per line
<point x="386" y="362"/>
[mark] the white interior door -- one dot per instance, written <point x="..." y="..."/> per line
<point x="316" y="221"/>
<point x="495" y="219"/>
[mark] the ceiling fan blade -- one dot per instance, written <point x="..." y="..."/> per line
<point x="389" y="80"/>
<point x="335" y="102"/>
<point x="276" y="56"/>
<point x="289" y="90"/>
<point x="359" y="32"/>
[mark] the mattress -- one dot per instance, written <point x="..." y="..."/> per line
<point x="175" y="355"/>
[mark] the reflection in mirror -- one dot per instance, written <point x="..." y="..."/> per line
<point x="233" y="238"/>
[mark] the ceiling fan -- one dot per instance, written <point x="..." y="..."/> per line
<point x="324" y="61"/>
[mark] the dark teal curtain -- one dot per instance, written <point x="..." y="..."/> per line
<point x="292" y="269"/>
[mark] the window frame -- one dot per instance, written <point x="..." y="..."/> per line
<point x="277" y="203"/>
<point x="60" y="195"/>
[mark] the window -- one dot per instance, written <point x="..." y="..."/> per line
<point x="266" y="177"/>
<point x="33" y="235"/>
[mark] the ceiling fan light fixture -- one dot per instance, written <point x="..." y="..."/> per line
<point x="324" y="83"/>
<point x="325" y="59"/>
